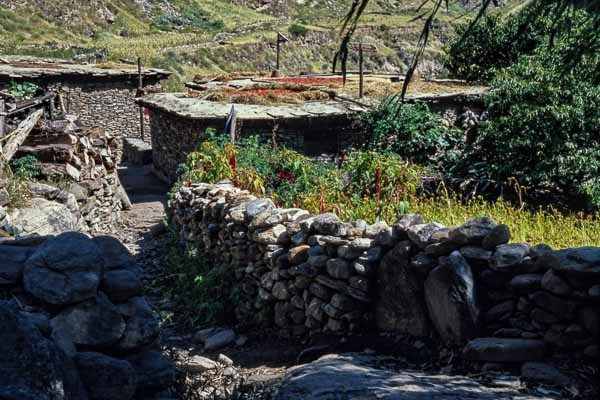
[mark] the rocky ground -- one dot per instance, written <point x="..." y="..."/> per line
<point x="219" y="363"/>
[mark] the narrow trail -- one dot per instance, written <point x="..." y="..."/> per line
<point x="256" y="365"/>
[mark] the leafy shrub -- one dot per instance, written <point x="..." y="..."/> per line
<point x="23" y="91"/>
<point x="410" y="130"/>
<point x="26" y="168"/>
<point x="544" y="125"/>
<point x="297" y="30"/>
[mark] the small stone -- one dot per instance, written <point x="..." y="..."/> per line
<point x="219" y="340"/>
<point x="299" y="254"/>
<point x="223" y="359"/>
<point x="504" y="350"/>
<point x="526" y="283"/>
<point x="472" y="232"/>
<point x="338" y="268"/>
<point x="555" y="284"/>
<point x="421" y="234"/>
<point x="361" y="244"/>
<point x="543" y="373"/>
<point x="198" y="364"/>
<point x="509" y="256"/>
<point x="500" y="234"/>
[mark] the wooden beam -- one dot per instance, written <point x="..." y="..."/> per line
<point x="18" y="136"/>
<point x="2" y="117"/>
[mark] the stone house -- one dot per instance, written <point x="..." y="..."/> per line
<point x="101" y="96"/>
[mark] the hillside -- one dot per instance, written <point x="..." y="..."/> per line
<point x="215" y="36"/>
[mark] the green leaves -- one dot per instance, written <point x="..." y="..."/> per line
<point x="409" y="130"/>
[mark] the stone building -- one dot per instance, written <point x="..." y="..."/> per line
<point x="320" y="129"/>
<point x="99" y="95"/>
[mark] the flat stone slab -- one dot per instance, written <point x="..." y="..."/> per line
<point x="354" y="377"/>
<point x="504" y="350"/>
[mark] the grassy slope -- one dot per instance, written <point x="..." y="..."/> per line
<point x="386" y="23"/>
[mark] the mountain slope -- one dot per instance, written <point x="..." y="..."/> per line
<point x="216" y="36"/>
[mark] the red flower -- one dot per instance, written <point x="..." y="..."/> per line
<point x="233" y="162"/>
<point x="378" y="182"/>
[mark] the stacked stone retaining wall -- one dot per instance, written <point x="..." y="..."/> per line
<point x="308" y="274"/>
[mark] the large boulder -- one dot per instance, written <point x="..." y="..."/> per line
<point x="473" y="231"/>
<point x="154" y="372"/>
<point x="64" y="270"/>
<point x="106" y="378"/>
<point x="452" y="300"/>
<point x="400" y="305"/>
<point x="141" y="325"/>
<point x="115" y="254"/>
<point x="41" y="217"/>
<point x="95" y="323"/>
<point x="356" y="377"/>
<point x="120" y="285"/>
<point x="13" y="261"/>
<point x="31" y="366"/>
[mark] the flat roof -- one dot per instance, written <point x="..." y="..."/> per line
<point x="23" y="67"/>
<point x="195" y="108"/>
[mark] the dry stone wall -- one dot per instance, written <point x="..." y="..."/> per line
<point x="307" y="274"/>
<point x="74" y="323"/>
<point x="110" y="105"/>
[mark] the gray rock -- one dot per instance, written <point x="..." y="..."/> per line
<point x="219" y="340"/>
<point x="452" y="300"/>
<point x="375" y="229"/>
<point x="405" y="221"/>
<point x="329" y="224"/>
<point x="141" y="325"/>
<point x="474" y="253"/>
<point x="121" y="285"/>
<point x="526" y="283"/>
<point x="31" y="366"/>
<point x="500" y="234"/>
<point x="421" y="234"/>
<point x="582" y="262"/>
<point x="298" y="254"/>
<point x="357" y="377"/>
<point x="106" y="378"/>
<point x="361" y="244"/>
<point x="13" y="262"/>
<point x="115" y="254"/>
<point x="275" y="235"/>
<point x="540" y="372"/>
<point x="258" y="206"/>
<point x="509" y="256"/>
<point x="94" y="323"/>
<point x="199" y="364"/>
<point x="504" y="350"/>
<point x="4" y="198"/>
<point x="559" y="307"/>
<point x="280" y="291"/>
<point x="64" y="270"/>
<point x="399" y="305"/>
<point x="41" y="217"/>
<point x="473" y="231"/>
<point x="553" y="283"/>
<point x="338" y="268"/>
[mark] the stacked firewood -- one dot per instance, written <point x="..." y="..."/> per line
<point x="65" y="148"/>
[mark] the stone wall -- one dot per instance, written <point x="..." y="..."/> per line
<point x="76" y="325"/>
<point x="110" y="105"/>
<point x="306" y="274"/>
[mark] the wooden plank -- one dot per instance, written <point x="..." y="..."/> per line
<point x="2" y="117"/>
<point x="18" y="136"/>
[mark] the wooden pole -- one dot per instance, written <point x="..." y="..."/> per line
<point x="278" y="51"/>
<point x="361" y="87"/>
<point x="2" y="118"/>
<point x="140" y="93"/>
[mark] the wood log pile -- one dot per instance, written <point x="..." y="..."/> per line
<point x="82" y="159"/>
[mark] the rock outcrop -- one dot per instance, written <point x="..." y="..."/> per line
<point x="78" y="328"/>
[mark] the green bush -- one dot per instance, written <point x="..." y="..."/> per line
<point x="297" y="30"/>
<point x="544" y="124"/>
<point x="410" y="130"/>
<point x="26" y="168"/>
<point x="494" y="43"/>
